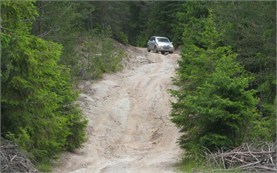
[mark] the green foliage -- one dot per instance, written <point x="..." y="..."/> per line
<point x="97" y="55"/>
<point x="44" y="166"/>
<point x="192" y="165"/>
<point x="250" y="29"/>
<point x="103" y="14"/>
<point x="161" y="19"/>
<point x="122" y="38"/>
<point x="214" y="102"/>
<point x="183" y="16"/>
<point x="57" y="21"/>
<point x="61" y="22"/>
<point x="216" y="96"/>
<point x="139" y="11"/>
<point x="85" y="29"/>
<point x="37" y="97"/>
<point x="142" y="40"/>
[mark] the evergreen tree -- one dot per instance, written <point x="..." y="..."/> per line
<point x="213" y="103"/>
<point x="183" y="15"/>
<point x="138" y="19"/>
<point x="161" y="17"/>
<point x="103" y="15"/>
<point x="250" y="30"/>
<point x="37" y="99"/>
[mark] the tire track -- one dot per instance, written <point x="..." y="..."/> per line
<point x="129" y="127"/>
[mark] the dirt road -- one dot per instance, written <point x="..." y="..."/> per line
<point x="129" y="128"/>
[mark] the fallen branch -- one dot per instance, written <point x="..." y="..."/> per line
<point x="13" y="160"/>
<point x="259" y="158"/>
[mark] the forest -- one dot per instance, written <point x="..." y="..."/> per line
<point x="226" y="75"/>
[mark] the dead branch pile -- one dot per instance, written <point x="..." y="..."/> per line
<point x="248" y="157"/>
<point x="13" y="160"/>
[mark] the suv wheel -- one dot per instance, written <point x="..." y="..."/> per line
<point x="148" y="50"/>
<point x="155" y="49"/>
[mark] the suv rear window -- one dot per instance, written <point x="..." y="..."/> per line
<point x="163" y="40"/>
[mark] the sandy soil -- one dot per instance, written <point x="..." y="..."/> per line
<point x="129" y="128"/>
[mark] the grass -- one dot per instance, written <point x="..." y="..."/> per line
<point x="47" y="165"/>
<point x="44" y="167"/>
<point x="190" y="165"/>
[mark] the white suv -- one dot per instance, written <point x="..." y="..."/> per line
<point x="159" y="44"/>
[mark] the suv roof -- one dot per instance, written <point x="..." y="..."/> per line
<point x="159" y="37"/>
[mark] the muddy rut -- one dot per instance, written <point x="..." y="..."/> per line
<point x="129" y="128"/>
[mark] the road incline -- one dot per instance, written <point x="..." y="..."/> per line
<point x="129" y="129"/>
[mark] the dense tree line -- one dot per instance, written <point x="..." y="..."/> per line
<point x="87" y="30"/>
<point x="226" y="75"/>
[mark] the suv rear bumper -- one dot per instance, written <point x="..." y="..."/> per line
<point x="165" y="49"/>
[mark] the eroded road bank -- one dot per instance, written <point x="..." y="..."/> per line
<point x="129" y="128"/>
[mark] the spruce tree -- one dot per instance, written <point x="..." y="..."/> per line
<point x="37" y="99"/>
<point x="214" y="108"/>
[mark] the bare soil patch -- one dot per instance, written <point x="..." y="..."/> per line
<point x="129" y="128"/>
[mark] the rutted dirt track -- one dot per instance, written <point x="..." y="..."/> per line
<point x="129" y="128"/>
